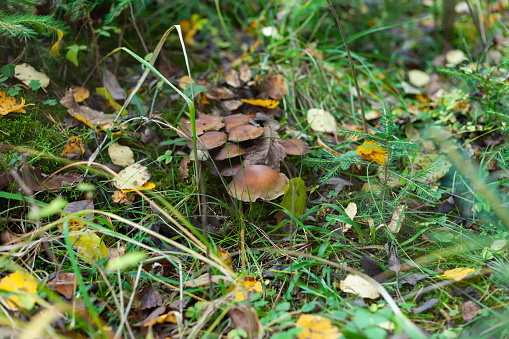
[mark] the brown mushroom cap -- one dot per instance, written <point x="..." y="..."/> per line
<point x="245" y="132"/>
<point x="209" y="140"/>
<point x="256" y="182"/>
<point x="203" y="124"/>
<point x="235" y="120"/>
<point x="294" y="146"/>
<point x="231" y="170"/>
<point x="229" y="151"/>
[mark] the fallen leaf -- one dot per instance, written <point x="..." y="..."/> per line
<point x="132" y="177"/>
<point x="455" y="57"/>
<point x="294" y="199"/>
<point x="111" y="83"/>
<point x="499" y="245"/>
<point x="121" y="155"/>
<point x="184" y="168"/>
<point x="9" y="238"/>
<point x="351" y="210"/>
<point x="80" y="93"/>
<point x="10" y="104"/>
<point x="245" y="287"/>
<point x="267" y="150"/>
<point x="356" y="285"/>
<point x="245" y="72"/>
<point x="204" y="280"/>
<point x="439" y="167"/>
<point x="231" y="105"/>
<point x="36" y="182"/>
<point x="191" y="27"/>
<point x="89" y="245"/>
<point x="321" y="121"/>
<point x="262" y="103"/>
<point x="27" y="73"/>
<point x="121" y="197"/>
<point x="456" y="274"/>
<point x="232" y="78"/>
<point x="54" y="51"/>
<point x="219" y="93"/>
<point x="88" y="116"/>
<point x="372" y="151"/>
<point x="244" y="318"/>
<point x="105" y="94"/>
<point x="275" y="87"/>
<point x="65" y="284"/>
<point x="470" y="310"/>
<point x="74" y="149"/>
<point x="418" y="78"/>
<point x="23" y="285"/>
<point x="225" y="256"/>
<point x="149" y="298"/>
<point x="316" y="327"/>
<point x="397" y="219"/>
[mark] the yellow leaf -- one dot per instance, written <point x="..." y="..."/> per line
<point x="191" y="27"/>
<point x="74" y="147"/>
<point x="121" y="197"/>
<point x="247" y="286"/>
<point x="54" y="49"/>
<point x="269" y="103"/>
<point x="456" y="274"/>
<point x="10" y="104"/>
<point x="89" y="245"/>
<point x="225" y="256"/>
<point x="131" y="177"/>
<point x="104" y="93"/>
<point x="121" y="155"/>
<point x="22" y="283"/>
<point x="317" y="327"/>
<point x="80" y="93"/>
<point x="372" y="151"/>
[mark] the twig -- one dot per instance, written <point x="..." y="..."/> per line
<point x="133" y="20"/>
<point x="352" y="67"/>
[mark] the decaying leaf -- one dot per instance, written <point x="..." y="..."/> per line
<point x="317" y="327"/>
<point x="219" y="93"/>
<point x="132" y="177"/>
<point x="267" y="150"/>
<point x="74" y="149"/>
<point x="456" y="274"/>
<point x="33" y="178"/>
<point x="244" y="318"/>
<point x="231" y="105"/>
<point x="121" y="197"/>
<point x="105" y="94"/>
<point x="80" y="93"/>
<point x="65" y="284"/>
<point x="232" y="78"/>
<point x="321" y="121"/>
<point x="225" y="256"/>
<point x="111" y="83"/>
<point x="27" y="73"/>
<point x="89" y="245"/>
<point x="262" y="103"/>
<point x="245" y="72"/>
<point x="470" y="310"/>
<point x="372" y="151"/>
<point x="9" y="238"/>
<point x="356" y="285"/>
<point x="275" y="87"/>
<point x="245" y="287"/>
<point x="88" y="116"/>
<point x="455" y="57"/>
<point x="397" y="219"/>
<point x="204" y="280"/>
<point x="121" y="155"/>
<point x="23" y="285"/>
<point x="184" y="168"/>
<point x="10" y="104"/>
<point x="149" y="297"/>
<point x="418" y="78"/>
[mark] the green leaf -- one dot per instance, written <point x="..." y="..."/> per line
<point x="8" y="70"/>
<point x="72" y="54"/>
<point x="295" y="195"/>
<point x="285" y="306"/>
<point x="13" y="91"/>
<point x="34" y="85"/>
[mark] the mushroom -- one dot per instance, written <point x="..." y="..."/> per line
<point x="294" y="146"/>
<point x="229" y="151"/>
<point x="203" y="124"/>
<point x="245" y="132"/>
<point x="258" y="182"/>
<point x="209" y="140"/>
<point x="235" y="120"/>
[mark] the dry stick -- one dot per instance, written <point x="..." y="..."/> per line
<point x="137" y="29"/>
<point x="352" y="67"/>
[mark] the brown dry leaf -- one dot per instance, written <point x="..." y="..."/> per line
<point x="121" y="197"/>
<point x="395" y="224"/>
<point x="88" y="116"/>
<point x="10" y="104"/>
<point x="316" y="327"/>
<point x="356" y="285"/>
<point x="78" y="206"/>
<point x="6" y="179"/>
<point x="267" y="150"/>
<point x="23" y="285"/>
<point x="321" y="121"/>
<point x="10" y="238"/>
<point x="270" y="104"/>
<point x="244" y="318"/>
<point x="111" y="83"/>
<point x="33" y="178"/>
<point x="74" y="149"/>
<point x="470" y="310"/>
<point x="245" y="72"/>
<point x="149" y="298"/>
<point x="275" y="87"/>
<point x="231" y="105"/>
<point x="456" y="274"/>
<point x="80" y="93"/>
<point x="184" y="168"/>
<point x="132" y="177"/>
<point x="115" y="253"/>
<point x="65" y="284"/>
<point x="232" y="78"/>
<point x="27" y="73"/>
<point x="219" y="93"/>
<point x="121" y="155"/>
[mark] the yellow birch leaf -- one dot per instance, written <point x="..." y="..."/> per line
<point x="246" y="286"/>
<point x="80" y="93"/>
<point x="372" y="151"/>
<point x="23" y="283"/>
<point x="89" y="245"/>
<point x="317" y="327"/>
<point x="456" y="274"/>
<point x="10" y="104"/>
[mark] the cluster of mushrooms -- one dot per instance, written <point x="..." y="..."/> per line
<point x="248" y="152"/>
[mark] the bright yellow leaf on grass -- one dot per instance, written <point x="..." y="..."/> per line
<point x="247" y="286"/>
<point x="269" y="103"/>
<point x="22" y="283"/>
<point x="456" y="274"/>
<point x="89" y="245"/>
<point x="10" y="104"/>
<point x="73" y="146"/>
<point x="317" y="327"/>
<point x="372" y="151"/>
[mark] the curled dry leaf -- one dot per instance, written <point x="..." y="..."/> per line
<point x="27" y="73"/>
<point x="132" y="177"/>
<point x="275" y="87"/>
<point x="88" y="116"/>
<point x="321" y="121"/>
<point x="121" y="155"/>
<point x="356" y="285"/>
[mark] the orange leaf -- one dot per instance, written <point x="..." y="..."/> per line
<point x="263" y="103"/>
<point x="10" y="104"/>
<point x="372" y="151"/>
<point x="80" y="93"/>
